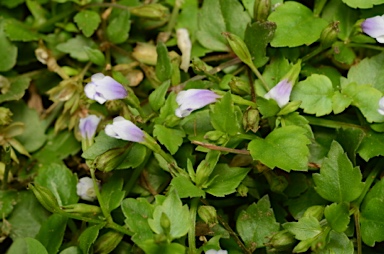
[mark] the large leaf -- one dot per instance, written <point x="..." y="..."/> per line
<point x="338" y="180"/>
<point x="296" y="25"/>
<point x="337" y="216"/>
<point x="218" y="16"/>
<point x="257" y="223"/>
<point x="284" y="147"/>
<point x="363" y="4"/>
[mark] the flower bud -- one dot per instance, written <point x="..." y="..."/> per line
<point x="214" y="135"/>
<point x="208" y="214"/>
<point x="329" y="35"/>
<point x="239" y="48"/>
<point x="45" y="197"/>
<point x="282" y="241"/>
<point x="251" y="119"/>
<point x="193" y="99"/>
<point x="125" y="130"/>
<point x="150" y="11"/>
<point x="316" y="211"/>
<point x="185" y="46"/>
<point x="103" y="88"/>
<point x="82" y="209"/>
<point x="239" y="86"/>
<point x="5" y="116"/>
<point x="242" y="190"/>
<point x="85" y="189"/>
<point x="145" y="53"/>
<point x="107" y="242"/>
<point x="111" y="159"/>
<point x="261" y="10"/>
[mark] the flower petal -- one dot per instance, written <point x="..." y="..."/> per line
<point x="103" y="88"/>
<point x="88" y="126"/>
<point x="381" y="106"/>
<point x="374" y="26"/>
<point x="280" y="93"/>
<point x="193" y="99"/>
<point x="124" y="129"/>
<point x="85" y="189"/>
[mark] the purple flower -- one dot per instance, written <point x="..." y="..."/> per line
<point x="374" y="27"/>
<point x="85" y="189"/>
<point x="88" y="126"/>
<point x="103" y="88"/>
<point x="381" y="106"/>
<point x="193" y="99"/>
<point x="124" y="129"/>
<point x="280" y="93"/>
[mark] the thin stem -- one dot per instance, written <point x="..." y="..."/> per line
<point x="104" y="210"/>
<point x="113" y="5"/>
<point x="357" y="45"/>
<point x="259" y="76"/>
<point x="119" y="228"/>
<point x="173" y="18"/>
<point x="55" y="19"/>
<point x="313" y="53"/>
<point x="6" y="159"/>
<point x="358" y="231"/>
<point x="220" y="148"/>
<point x="332" y="124"/>
<point x="192" y="229"/>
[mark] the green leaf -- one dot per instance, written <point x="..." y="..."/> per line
<point x="217" y="17"/>
<point x="372" y="216"/>
<point x="338" y="180"/>
<point x="225" y="180"/>
<point x="18" y="31"/>
<point x="11" y="3"/>
<point x="257" y="37"/>
<point x="137" y="211"/>
<point x="112" y="192"/>
<point x="284" y="147"/>
<point x="61" y="181"/>
<point x="87" y="21"/>
<point x="27" y="216"/>
<point x="185" y="188"/>
<point x="33" y="136"/>
<point x="340" y="102"/>
<point x="315" y="94"/>
<point x="305" y="228"/>
<point x="136" y="155"/>
<point x="16" y="90"/>
<point x="337" y="216"/>
<point x="157" y="97"/>
<point x="363" y="4"/>
<point x="350" y="139"/>
<point x="366" y="98"/>
<point x="170" y="138"/>
<point x="224" y="117"/>
<point x="372" y="145"/>
<point x="26" y="246"/>
<point x="342" y="53"/>
<point x="95" y="56"/>
<point x="368" y="72"/>
<point x="296" y="25"/>
<point x="8" y="201"/>
<point x="257" y="223"/>
<point x="88" y="237"/>
<point x="71" y="250"/>
<point x="8" y="52"/>
<point x="163" y="64"/>
<point x="151" y="246"/>
<point x="103" y="143"/>
<point x="118" y="28"/>
<point x="75" y="47"/>
<point x="177" y="214"/>
<point x="52" y="231"/>
<point x="338" y="243"/>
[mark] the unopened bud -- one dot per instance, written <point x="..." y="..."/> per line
<point x="199" y="66"/>
<point x="316" y="211"/>
<point x="107" y="242"/>
<point x="282" y="241"/>
<point x="239" y="48"/>
<point x="85" y="189"/>
<point x="45" y="197"/>
<point x="145" y="53"/>
<point x="208" y="214"/>
<point x="303" y="246"/>
<point x="261" y="10"/>
<point x="239" y="86"/>
<point x="218" y="137"/>
<point x="5" y="116"/>
<point x="42" y="55"/>
<point x="82" y="209"/>
<point x="151" y="11"/>
<point x="251" y="119"/>
<point x="5" y="84"/>
<point x="242" y="190"/>
<point x="111" y="159"/>
<point x="329" y="35"/>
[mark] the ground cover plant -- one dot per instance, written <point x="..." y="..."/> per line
<point x="191" y="126"/>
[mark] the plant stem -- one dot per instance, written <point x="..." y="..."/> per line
<point x="313" y="53"/>
<point x="104" y="210"/>
<point x="259" y="76"/>
<point x="191" y="233"/>
<point x="358" y="231"/>
<point x="357" y="45"/>
<point x="6" y="159"/>
<point x="174" y="15"/>
<point x="220" y="148"/>
<point x="332" y="124"/>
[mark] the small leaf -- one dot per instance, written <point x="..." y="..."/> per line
<point x="224" y="117"/>
<point x="338" y="180"/>
<point x="118" y="28"/>
<point x="52" y="231"/>
<point x="372" y="145"/>
<point x="112" y="192"/>
<point x="185" y="188"/>
<point x="338" y="243"/>
<point x="157" y="97"/>
<point x="88" y="237"/>
<point x="337" y="216"/>
<point x="305" y="228"/>
<point x="163" y="65"/>
<point x="75" y="47"/>
<point x="87" y="21"/>
<point x="95" y="56"/>
<point x="18" y="31"/>
<point x="284" y="147"/>
<point x="9" y="200"/>
<point x="257" y="223"/>
<point x="16" y="90"/>
<point x="8" y="52"/>
<point x="171" y="138"/>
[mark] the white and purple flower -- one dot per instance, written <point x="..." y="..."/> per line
<point x="85" y="189"/>
<point x="374" y="27"/>
<point x="103" y="88"/>
<point x="88" y="126"/>
<point x="193" y="99"/>
<point x="125" y="130"/>
<point x="216" y="252"/>
<point x="381" y="106"/>
<point x="280" y="93"/>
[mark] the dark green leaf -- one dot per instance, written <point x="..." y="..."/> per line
<point x="26" y="246"/>
<point x="88" y="237"/>
<point x="87" y="21"/>
<point x="157" y="97"/>
<point x="52" y="231"/>
<point x="338" y="243"/>
<point x="8" y="199"/>
<point x="118" y="28"/>
<point x="17" y="31"/>
<point x="112" y="193"/>
<point x="337" y="216"/>
<point x="16" y="90"/>
<point x="8" y="52"/>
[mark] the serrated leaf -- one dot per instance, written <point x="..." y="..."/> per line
<point x="338" y="243"/>
<point x="95" y="56"/>
<point x="372" y="216"/>
<point x="112" y="192"/>
<point x="88" y="21"/>
<point x="337" y="216"/>
<point x="225" y="180"/>
<point x="18" y="31"/>
<point x="185" y="188"/>
<point x="16" y="90"/>
<point x="350" y="139"/>
<point x="315" y="94"/>
<point x="257" y="223"/>
<point x="296" y="25"/>
<point x="372" y="145"/>
<point x="224" y="117"/>
<point x="75" y="47"/>
<point x="216" y="17"/>
<point x="340" y="102"/>
<point x="305" y="228"/>
<point x="284" y="147"/>
<point x="171" y="138"/>
<point x="118" y="28"/>
<point x="338" y="180"/>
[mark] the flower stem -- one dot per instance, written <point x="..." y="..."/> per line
<point x="191" y="233"/>
<point x="331" y="124"/>
<point x="220" y="148"/>
<point x="358" y="45"/>
<point x="259" y="76"/>
<point x="104" y="210"/>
